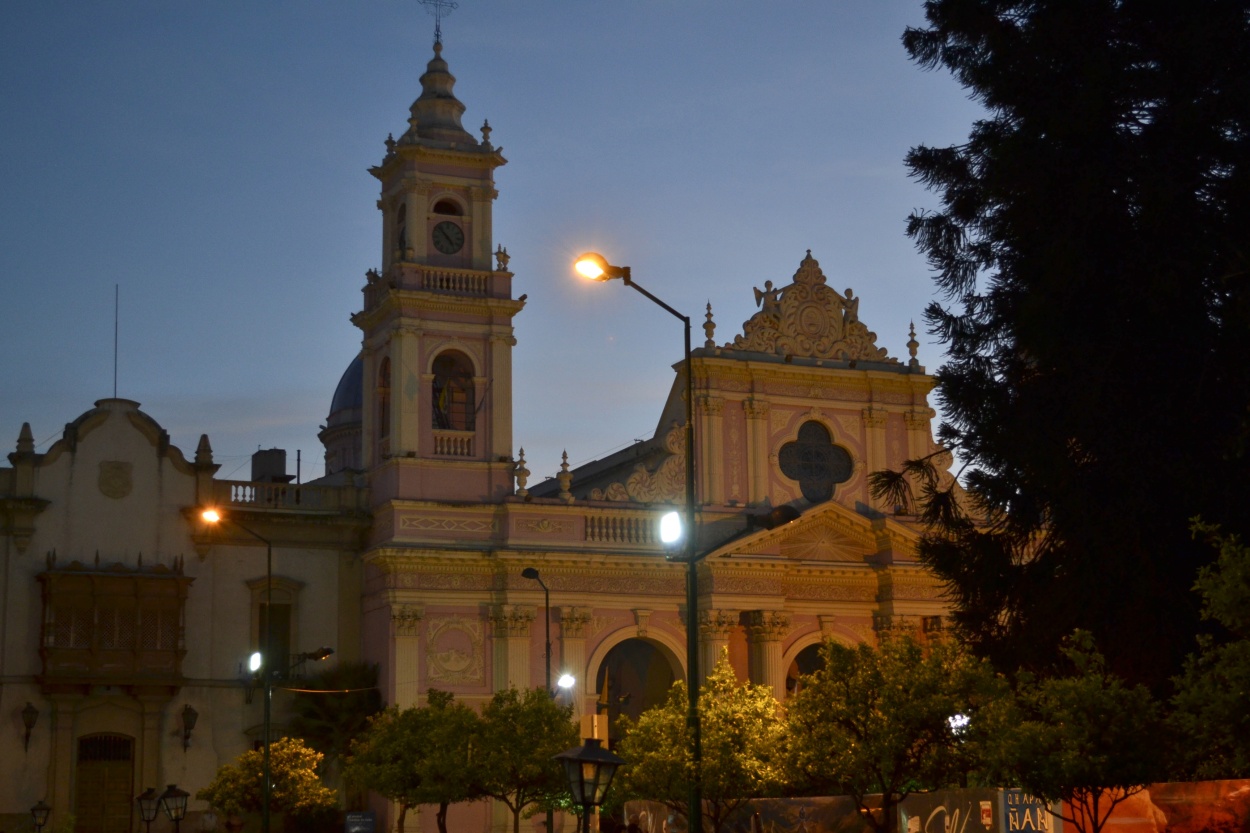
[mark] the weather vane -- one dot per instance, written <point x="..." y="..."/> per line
<point x="438" y="8"/>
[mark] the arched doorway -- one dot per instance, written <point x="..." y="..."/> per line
<point x="808" y="661"/>
<point x="633" y="677"/>
<point x="104" y="784"/>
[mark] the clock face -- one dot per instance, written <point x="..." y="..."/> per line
<point x="448" y="237"/>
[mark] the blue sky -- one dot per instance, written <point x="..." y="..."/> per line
<point x="210" y="158"/>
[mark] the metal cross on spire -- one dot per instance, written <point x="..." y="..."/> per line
<point x="438" y="8"/>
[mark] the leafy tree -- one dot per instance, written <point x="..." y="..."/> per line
<point x="879" y="720"/>
<point x="1085" y="737"/>
<point x="1091" y="249"/>
<point x="296" y="789"/>
<point x="418" y="755"/>
<point x="447" y="769"/>
<point x="1210" y="706"/>
<point x="741" y="733"/>
<point x="332" y="707"/>
<point x="519" y="735"/>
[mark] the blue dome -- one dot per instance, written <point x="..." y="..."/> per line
<point x="349" y="395"/>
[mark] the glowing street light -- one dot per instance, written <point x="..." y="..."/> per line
<point x="596" y="267"/>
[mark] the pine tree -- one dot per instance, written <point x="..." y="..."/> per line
<point x="1092" y="248"/>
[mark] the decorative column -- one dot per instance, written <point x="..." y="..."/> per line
<point x="918" y="432"/>
<point x="757" y="448"/>
<point x="765" y="630"/>
<point x="710" y="465"/>
<point x="715" y="627"/>
<point x="498" y="406"/>
<point x="409" y="390"/>
<point x="510" y="626"/>
<point x="406" y="656"/>
<point x="573" y="622"/>
<point x="874" y="443"/>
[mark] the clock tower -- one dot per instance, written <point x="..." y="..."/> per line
<point x="437" y="318"/>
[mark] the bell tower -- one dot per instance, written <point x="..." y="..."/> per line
<point x="437" y="318"/>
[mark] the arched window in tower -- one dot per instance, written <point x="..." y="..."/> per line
<point x="814" y="461"/>
<point x="401" y="230"/>
<point x="384" y="398"/>
<point x="454" y="408"/>
<point x="447" y="207"/>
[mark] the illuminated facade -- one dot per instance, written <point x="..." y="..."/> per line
<point x="122" y="608"/>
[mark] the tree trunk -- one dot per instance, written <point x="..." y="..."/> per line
<point x="442" y="817"/>
<point x="399" y="822"/>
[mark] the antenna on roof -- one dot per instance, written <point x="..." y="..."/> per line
<point x="116" y="303"/>
<point x="437" y="8"/>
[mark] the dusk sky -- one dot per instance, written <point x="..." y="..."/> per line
<point x="210" y="158"/>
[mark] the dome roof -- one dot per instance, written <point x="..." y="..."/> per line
<point x="349" y="395"/>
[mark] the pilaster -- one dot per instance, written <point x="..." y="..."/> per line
<point x="573" y="622"/>
<point x="510" y="627"/>
<point x="712" y="448"/>
<point x="874" y="436"/>
<point x="757" y="447"/>
<point x="406" y="644"/>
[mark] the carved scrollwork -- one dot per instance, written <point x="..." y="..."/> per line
<point x="809" y="319"/>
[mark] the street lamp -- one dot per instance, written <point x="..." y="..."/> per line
<point x="595" y="267"/>
<point x="589" y="769"/>
<point x="174" y="803"/>
<point x="213" y="516"/>
<point x="148" y="802"/>
<point x="40" y="813"/>
<point x="532" y="574"/>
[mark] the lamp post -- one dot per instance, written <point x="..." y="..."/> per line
<point x="148" y="802"/>
<point x="589" y="768"/>
<point x="213" y="516"/>
<point x="174" y="803"/>
<point x="532" y="574"/>
<point x="596" y="267"/>
<point x="40" y="813"/>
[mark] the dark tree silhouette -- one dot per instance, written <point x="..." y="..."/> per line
<point x="1092" y="248"/>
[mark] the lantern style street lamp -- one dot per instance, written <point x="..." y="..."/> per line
<point x="174" y="803"/>
<point x="40" y="813"/>
<point x="149" y="803"/>
<point x="589" y="769"/>
<point x="596" y="267"/>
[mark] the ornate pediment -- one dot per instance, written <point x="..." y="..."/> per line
<point x="808" y="319"/>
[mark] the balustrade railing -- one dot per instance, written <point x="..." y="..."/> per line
<point x="453" y="443"/>
<point x="623" y="529"/>
<point x="288" y="496"/>
<point x="461" y="282"/>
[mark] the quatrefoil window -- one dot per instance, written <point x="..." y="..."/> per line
<point x="815" y="462"/>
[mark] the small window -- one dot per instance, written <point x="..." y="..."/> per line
<point x="401" y="230"/>
<point x="447" y="207"/>
<point x="453" y="392"/>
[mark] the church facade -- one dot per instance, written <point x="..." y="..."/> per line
<point x="127" y="618"/>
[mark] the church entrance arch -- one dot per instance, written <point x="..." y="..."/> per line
<point x="806" y="661"/>
<point x="104" y="781"/>
<point x="634" y="675"/>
